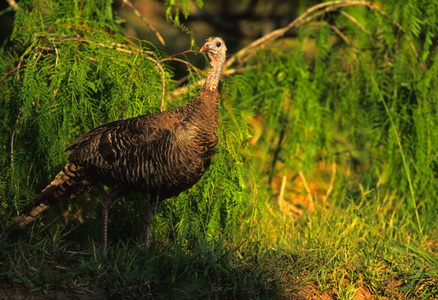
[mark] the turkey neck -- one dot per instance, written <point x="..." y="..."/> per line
<point x="207" y="111"/>
<point x="216" y="63"/>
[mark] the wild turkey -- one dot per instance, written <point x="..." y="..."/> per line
<point x="161" y="154"/>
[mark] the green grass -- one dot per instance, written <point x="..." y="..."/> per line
<point x="334" y="252"/>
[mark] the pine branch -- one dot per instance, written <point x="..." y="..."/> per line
<point x="113" y="46"/>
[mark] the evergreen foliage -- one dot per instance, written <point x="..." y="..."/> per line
<point x="355" y="89"/>
<point x="368" y="101"/>
<point x="70" y="70"/>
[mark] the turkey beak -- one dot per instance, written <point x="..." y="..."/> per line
<point x="204" y="48"/>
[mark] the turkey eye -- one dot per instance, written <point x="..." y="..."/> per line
<point x="218" y="44"/>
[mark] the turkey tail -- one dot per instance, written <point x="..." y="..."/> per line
<point x="72" y="180"/>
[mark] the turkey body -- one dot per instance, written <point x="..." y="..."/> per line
<point x="160" y="154"/>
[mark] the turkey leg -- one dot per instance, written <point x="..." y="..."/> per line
<point x="105" y="203"/>
<point x="148" y="217"/>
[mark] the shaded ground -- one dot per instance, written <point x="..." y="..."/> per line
<point x="304" y="292"/>
<point x="7" y="292"/>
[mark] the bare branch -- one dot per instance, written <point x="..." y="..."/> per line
<point x="304" y="18"/>
<point x="163" y="80"/>
<point x="151" y="27"/>
<point x="282" y="189"/>
<point x="199" y="72"/>
<point x="332" y="181"/>
<point x="309" y="192"/>
<point x="13" y="5"/>
<point x="189" y="65"/>
<point x="312" y="13"/>
<point x="114" y="46"/>
<point x="348" y="16"/>
<point x="11" y="71"/>
<point x="338" y="32"/>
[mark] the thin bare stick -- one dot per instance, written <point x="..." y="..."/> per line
<point x="348" y="16"/>
<point x="198" y="72"/>
<point x="56" y="52"/>
<point x="309" y="192"/>
<point x="19" y="66"/>
<point x="185" y="89"/>
<point x="163" y="79"/>
<point x="296" y="210"/>
<point x="338" y="32"/>
<point x="332" y="181"/>
<point x="11" y="71"/>
<point x="112" y="46"/>
<point x="13" y="5"/>
<point x="283" y="187"/>
<point x="181" y="80"/>
<point x="49" y="49"/>
<point x="176" y="59"/>
<point x="152" y="28"/>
